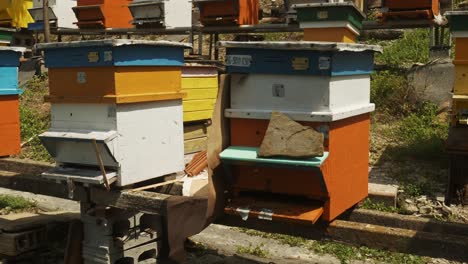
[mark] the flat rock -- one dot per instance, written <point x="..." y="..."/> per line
<point x="287" y="138"/>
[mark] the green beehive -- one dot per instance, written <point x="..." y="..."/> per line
<point x="330" y="12"/>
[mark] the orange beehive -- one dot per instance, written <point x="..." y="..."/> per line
<point x="230" y="12"/>
<point x="403" y="9"/>
<point x="9" y="125"/>
<point x="103" y="14"/>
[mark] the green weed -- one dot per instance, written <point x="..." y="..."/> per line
<point x="370" y="205"/>
<point x="254" y="251"/>
<point x="15" y="202"/>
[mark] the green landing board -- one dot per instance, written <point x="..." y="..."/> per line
<point x="249" y="155"/>
<point x="337" y="13"/>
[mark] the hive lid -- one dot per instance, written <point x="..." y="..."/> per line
<point x="14" y="49"/>
<point x="343" y="4"/>
<point x="300" y="45"/>
<point x="111" y="43"/>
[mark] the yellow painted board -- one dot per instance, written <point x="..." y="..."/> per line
<point x="195" y="145"/>
<point x="199" y="82"/>
<point x="199" y="105"/>
<point x="197" y="94"/>
<point x="330" y="35"/>
<point x="461" y="79"/>
<point x="192" y="131"/>
<point x="198" y="115"/>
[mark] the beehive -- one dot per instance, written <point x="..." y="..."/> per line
<point x="60" y="14"/>
<point x="10" y="136"/>
<point x="416" y="9"/>
<point x="228" y="12"/>
<point x="6" y="36"/>
<point x="103" y="14"/>
<point x="322" y="85"/>
<point x="158" y="13"/>
<point x="14" y="13"/>
<point x="125" y="96"/>
<point x="335" y="22"/>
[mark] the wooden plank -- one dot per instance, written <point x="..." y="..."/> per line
<point x="198" y="94"/>
<point x="195" y="145"/>
<point x="199" y="105"/>
<point x="198" y="115"/>
<point x="199" y="82"/>
<point x="192" y="131"/>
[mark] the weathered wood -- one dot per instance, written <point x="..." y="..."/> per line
<point x="13" y="244"/>
<point x="192" y="131"/>
<point x="195" y="145"/>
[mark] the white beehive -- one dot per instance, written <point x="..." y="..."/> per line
<point x="137" y="142"/>
<point x="164" y="13"/>
<point x="60" y="13"/>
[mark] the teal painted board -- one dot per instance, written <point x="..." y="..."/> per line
<point x="248" y="154"/>
<point x="9" y="81"/>
<point x="105" y="53"/>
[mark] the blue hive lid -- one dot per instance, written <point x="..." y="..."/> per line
<point x="111" y="43"/>
<point x="301" y="45"/>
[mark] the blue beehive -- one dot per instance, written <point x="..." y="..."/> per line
<point x="9" y="62"/>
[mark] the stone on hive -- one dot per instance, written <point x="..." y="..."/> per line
<point x="287" y="138"/>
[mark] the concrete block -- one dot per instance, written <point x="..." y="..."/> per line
<point x="383" y="193"/>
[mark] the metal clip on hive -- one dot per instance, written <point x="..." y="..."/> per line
<point x="60" y="14"/>
<point x="228" y="12"/>
<point x="103" y="14"/>
<point x="332" y="22"/>
<point x="159" y="13"/>
<point x="10" y="138"/>
<point x="322" y="85"/>
<point x="116" y="110"/>
<point x="457" y="142"/>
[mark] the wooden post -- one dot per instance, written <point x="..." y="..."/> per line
<point x="45" y="9"/>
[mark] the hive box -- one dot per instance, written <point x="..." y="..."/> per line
<point x="6" y="36"/>
<point x="131" y="109"/>
<point x="324" y="86"/>
<point x="103" y="14"/>
<point x="160" y="13"/>
<point x="415" y="9"/>
<point x="60" y="14"/>
<point x="333" y="22"/>
<point x="14" y="13"/>
<point x="228" y="12"/>
<point x="10" y="135"/>
<point x="200" y="83"/>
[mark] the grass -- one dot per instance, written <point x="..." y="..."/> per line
<point x="15" y="203"/>
<point x="257" y="251"/>
<point x="370" y="205"/>
<point x="345" y="253"/>
<point x="35" y="118"/>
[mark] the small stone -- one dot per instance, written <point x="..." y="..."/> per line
<point x="409" y="208"/>
<point x="422" y="199"/>
<point x="287" y="138"/>
<point x="408" y="201"/>
<point x="425" y="210"/>
<point x="446" y="210"/>
<point x="440" y="199"/>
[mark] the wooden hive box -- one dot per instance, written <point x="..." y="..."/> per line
<point x="103" y="14"/>
<point x="333" y="22"/>
<point x="136" y="122"/>
<point x="157" y="13"/>
<point x="302" y="80"/>
<point x="228" y="12"/>
<point x="14" y="13"/>
<point x="417" y="9"/>
<point x="6" y="36"/>
<point x="61" y="14"/>
<point x="10" y="135"/>
<point x="459" y="28"/>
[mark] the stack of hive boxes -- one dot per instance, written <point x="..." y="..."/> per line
<point x="200" y="83"/>
<point x="228" y="12"/>
<point x="60" y="14"/>
<point x="334" y="22"/>
<point x="457" y="143"/>
<point x="157" y="13"/>
<point x="103" y="14"/>
<point x="6" y="36"/>
<point x="325" y="86"/>
<point x="10" y="138"/>
<point x="116" y="110"/>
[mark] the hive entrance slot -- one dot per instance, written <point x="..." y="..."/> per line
<point x="275" y="208"/>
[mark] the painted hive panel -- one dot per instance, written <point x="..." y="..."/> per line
<point x="239" y="12"/>
<point x="10" y="138"/>
<point x="461" y="79"/>
<point x="334" y="34"/>
<point x="115" y="84"/>
<point x="461" y="49"/>
<point x="9" y="80"/>
<point x="330" y="13"/>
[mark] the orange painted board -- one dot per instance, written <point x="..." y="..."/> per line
<point x="432" y="5"/>
<point x="104" y="13"/>
<point x="461" y="49"/>
<point x="330" y="35"/>
<point x="345" y="171"/>
<point x="10" y="134"/>
<point x="139" y="83"/>
<point x="274" y="210"/>
<point x="239" y="12"/>
<point x="461" y="79"/>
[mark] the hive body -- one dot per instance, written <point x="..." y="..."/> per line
<point x="60" y="14"/>
<point x="158" y="13"/>
<point x="318" y="86"/>
<point x="228" y="12"/>
<point x="103" y="14"/>
<point x="418" y="9"/>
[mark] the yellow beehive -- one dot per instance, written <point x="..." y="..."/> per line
<point x="461" y="78"/>
<point x="200" y="83"/>
<point x="14" y="13"/>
